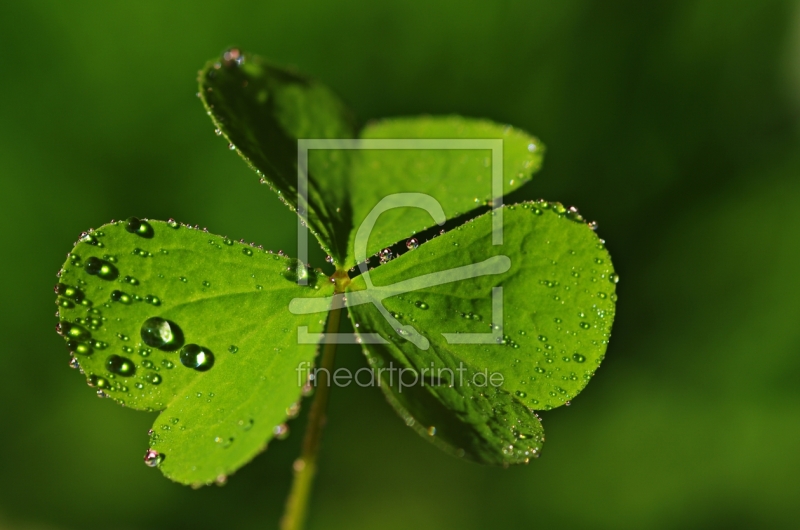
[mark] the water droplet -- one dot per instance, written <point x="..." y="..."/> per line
<point x="411" y="244"/>
<point x="74" y="331"/>
<point x="297" y="270"/>
<point x="197" y="357"/>
<point x="521" y="394"/>
<point x="585" y="325"/>
<point x="99" y="382"/>
<point x="431" y="431"/>
<point x="162" y="334"/>
<point x="247" y="252"/>
<point x="119" y="296"/>
<point x="120" y="365"/>
<point x="386" y="255"/>
<point x="101" y="269"/>
<point x="281" y="431"/>
<point x="421" y="305"/>
<point x="152" y="299"/>
<point x="172" y="223"/>
<point x="138" y="227"/>
<point x="233" y="349"/>
<point x="206" y="284"/>
<point x="578" y="358"/>
<point x="152" y="458"/>
<point x="531" y="147"/>
<point x="73" y="293"/>
<point x="78" y="347"/>
<point x="613" y="278"/>
<point x="153" y="378"/>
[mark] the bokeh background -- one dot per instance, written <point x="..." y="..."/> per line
<point x="673" y="124"/>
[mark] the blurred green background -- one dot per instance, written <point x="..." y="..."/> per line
<point x="673" y="124"/>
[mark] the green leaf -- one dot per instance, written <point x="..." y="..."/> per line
<point x="558" y="298"/>
<point x="228" y="298"/>
<point x="262" y="110"/>
<point x="459" y="179"/>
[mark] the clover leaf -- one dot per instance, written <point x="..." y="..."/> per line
<point x="467" y="334"/>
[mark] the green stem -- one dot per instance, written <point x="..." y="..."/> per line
<point x="305" y="466"/>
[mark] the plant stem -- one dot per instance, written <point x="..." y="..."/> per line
<point x="305" y="466"/>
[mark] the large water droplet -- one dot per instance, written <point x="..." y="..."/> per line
<point x="120" y="365"/>
<point x="297" y="270"/>
<point x="197" y="357"/>
<point x="138" y="227"/>
<point x="162" y="334"/>
<point x="101" y="268"/>
<point x="578" y="358"/>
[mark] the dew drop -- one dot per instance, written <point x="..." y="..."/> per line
<point x="578" y="358"/>
<point x="120" y="365"/>
<point x="411" y="244"/>
<point x="281" y="431"/>
<point x="119" y="296"/>
<point x="162" y="334"/>
<point x="74" y="331"/>
<point x="79" y="348"/>
<point x="422" y="305"/>
<point x="153" y="378"/>
<point x="197" y="357"/>
<point x="139" y="227"/>
<point x="153" y="458"/>
<point x="101" y="268"/>
<point x="233" y="349"/>
<point x="152" y="299"/>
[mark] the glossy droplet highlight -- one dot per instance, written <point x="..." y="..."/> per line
<point x="120" y="365"/>
<point x="162" y="334"/>
<point x="139" y="227"/>
<point x="101" y="268"/>
<point x="578" y="358"/>
<point x="119" y="296"/>
<point x="197" y="357"/>
<point x="74" y="331"/>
